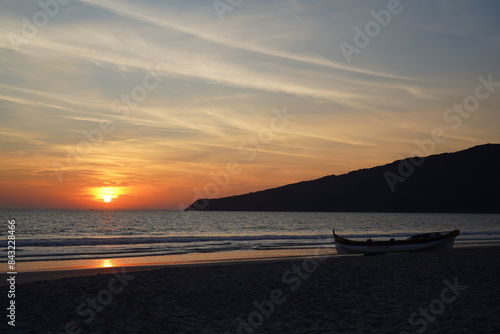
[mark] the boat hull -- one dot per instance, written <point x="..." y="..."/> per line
<point x="442" y="243"/>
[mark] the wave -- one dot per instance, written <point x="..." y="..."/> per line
<point x="95" y="241"/>
<point x="140" y="246"/>
<point x="213" y="240"/>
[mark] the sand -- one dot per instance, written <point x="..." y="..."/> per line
<point x="449" y="292"/>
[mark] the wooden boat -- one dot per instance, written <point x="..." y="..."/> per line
<point x="435" y="241"/>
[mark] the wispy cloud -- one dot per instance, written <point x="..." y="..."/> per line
<point x="149" y="15"/>
<point x="221" y="81"/>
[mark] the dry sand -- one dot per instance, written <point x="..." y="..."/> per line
<point x="450" y="292"/>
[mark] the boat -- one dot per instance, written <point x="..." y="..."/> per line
<point x="435" y="241"/>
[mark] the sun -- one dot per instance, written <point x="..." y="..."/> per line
<point x="106" y="194"/>
<point x="107" y="263"/>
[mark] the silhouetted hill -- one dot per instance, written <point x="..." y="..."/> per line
<point x="464" y="181"/>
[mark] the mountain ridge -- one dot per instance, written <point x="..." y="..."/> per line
<point x="462" y="181"/>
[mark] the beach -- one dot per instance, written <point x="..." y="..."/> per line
<point x="435" y="292"/>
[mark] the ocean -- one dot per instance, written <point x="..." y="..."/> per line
<point x="51" y="236"/>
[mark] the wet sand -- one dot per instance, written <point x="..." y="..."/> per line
<point x="449" y="292"/>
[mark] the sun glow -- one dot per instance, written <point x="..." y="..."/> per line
<point x="107" y="263"/>
<point x="106" y="194"/>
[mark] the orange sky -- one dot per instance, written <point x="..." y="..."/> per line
<point x="166" y="102"/>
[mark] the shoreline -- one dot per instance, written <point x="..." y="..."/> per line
<point x="193" y="260"/>
<point x="185" y="260"/>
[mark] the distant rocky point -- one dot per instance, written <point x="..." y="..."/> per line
<point x="464" y="181"/>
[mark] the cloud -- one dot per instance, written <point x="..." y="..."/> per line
<point x="151" y="16"/>
<point x="219" y="82"/>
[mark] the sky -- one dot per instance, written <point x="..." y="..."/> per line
<point x="153" y="104"/>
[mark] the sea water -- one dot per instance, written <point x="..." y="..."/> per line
<point x="71" y="235"/>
